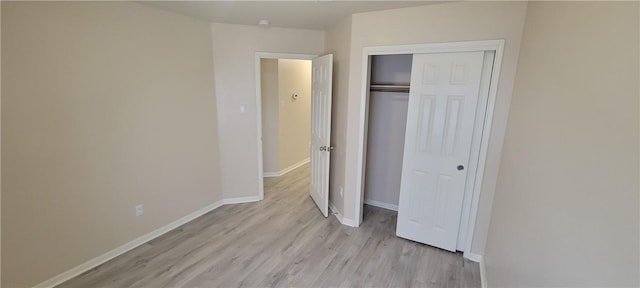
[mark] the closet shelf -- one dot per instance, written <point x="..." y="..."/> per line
<point x="389" y="88"/>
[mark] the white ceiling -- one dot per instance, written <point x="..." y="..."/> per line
<point x="320" y="14"/>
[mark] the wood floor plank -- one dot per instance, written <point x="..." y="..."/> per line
<point x="283" y="241"/>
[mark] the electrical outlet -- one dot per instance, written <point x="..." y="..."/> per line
<point x="341" y="192"/>
<point x="139" y="210"/>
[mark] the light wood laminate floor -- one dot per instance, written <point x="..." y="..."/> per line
<point x="283" y="241"/>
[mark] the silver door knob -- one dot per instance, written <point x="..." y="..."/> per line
<point x="330" y="148"/>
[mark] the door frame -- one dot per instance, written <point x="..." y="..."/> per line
<point x="480" y="136"/>
<point x="258" y="57"/>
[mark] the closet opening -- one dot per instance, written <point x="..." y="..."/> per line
<point x="425" y="123"/>
<point x="388" y="100"/>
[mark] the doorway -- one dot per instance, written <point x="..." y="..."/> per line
<point x="259" y="56"/>
<point x="490" y="53"/>
<point x="286" y="110"/>
<point x="318" y="121"/>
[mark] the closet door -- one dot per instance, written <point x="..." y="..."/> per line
<point x="440" y="120"/>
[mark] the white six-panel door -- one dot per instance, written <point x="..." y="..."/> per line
<point x="440" y="119"/>
<point x="321" y="88"/>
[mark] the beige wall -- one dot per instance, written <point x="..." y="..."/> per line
<point x="450" y="22"/>
<point x="270" y="119"/>
<point x="234" y="48"/>
<point x="294" y="76"/>
<point x="566" y="205"/>
<point x="338" y="42"/>
<point x="105" y="106"/>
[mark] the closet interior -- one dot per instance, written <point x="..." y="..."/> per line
<point x="387" y="118"/>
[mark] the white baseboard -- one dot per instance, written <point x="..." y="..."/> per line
<point x="483" y="275"/>
<point x="348" y="222"/>
<point x="271" y="174"/>
<point x="286" y="170"/>
<point x="341" y="219"/>
<point x="241" y="200"/>
<point x="381" y="204"/>
<point x="480" y="260"/>
<point x="473" y="257"/>
<point x="86" y="266"/>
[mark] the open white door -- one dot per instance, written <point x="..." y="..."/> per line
<point x="321" y="88"/>
<point x="442" y="105"/>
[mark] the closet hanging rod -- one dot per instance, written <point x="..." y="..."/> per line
<point x="389" y="88"/>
